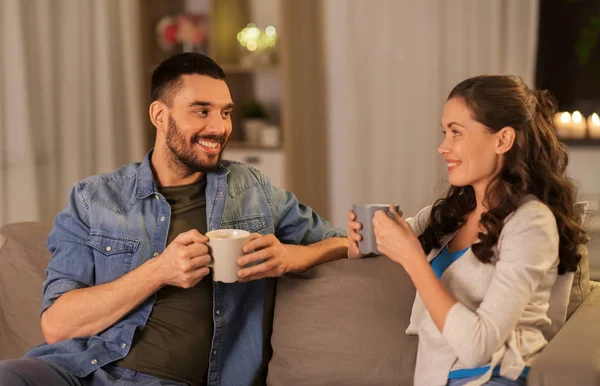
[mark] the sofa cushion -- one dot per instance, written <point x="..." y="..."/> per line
<point x="343" y="323"/>
<point x="23" y="260"/>
<point x="581" y="280"/>
<point x="571" y="288"/>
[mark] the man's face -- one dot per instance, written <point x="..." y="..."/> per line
<point x="199" y="123"/>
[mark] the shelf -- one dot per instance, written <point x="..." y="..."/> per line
<point x="587" y="142"/>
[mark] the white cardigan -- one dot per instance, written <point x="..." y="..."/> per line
<point x="501" y="314"/>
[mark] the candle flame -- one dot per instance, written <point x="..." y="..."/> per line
<point x="577" y="117"/>
<point x="565" y="117"/>
<point x="595" y="119"/>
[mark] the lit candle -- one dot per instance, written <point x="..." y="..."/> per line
<point x="579" y="125"/>
<point x="562" y="123"/>
<point x="594" y="126"/>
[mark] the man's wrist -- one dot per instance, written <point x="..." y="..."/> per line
<point x="151" y="270"/>
<point x="326" y="250"/>
<point x="300" y="258"/>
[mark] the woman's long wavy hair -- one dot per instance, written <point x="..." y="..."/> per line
<point x="535" y="164"/>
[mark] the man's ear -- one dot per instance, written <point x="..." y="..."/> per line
<point x="159" y="115"/>
<point x="505" y="139"/>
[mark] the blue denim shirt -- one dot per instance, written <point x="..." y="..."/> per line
<point x="116" y="222"/>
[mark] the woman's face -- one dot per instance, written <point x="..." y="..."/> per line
<point x="469" y="147"/>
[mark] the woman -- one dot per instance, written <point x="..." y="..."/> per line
<point x="485" y="258"/>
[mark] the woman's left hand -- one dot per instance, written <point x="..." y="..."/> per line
<point x="395" y="238"/>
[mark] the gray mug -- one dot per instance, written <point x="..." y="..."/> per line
<point x="364" y="215"/>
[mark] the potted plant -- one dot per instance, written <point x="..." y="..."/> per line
<point x="254" y="119"/>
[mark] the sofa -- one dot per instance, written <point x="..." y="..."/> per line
<point x="341" y="323"/>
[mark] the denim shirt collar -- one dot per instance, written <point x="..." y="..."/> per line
<point x="146" y="185"/>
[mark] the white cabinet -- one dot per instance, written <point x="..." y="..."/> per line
<point x="270" y="162"/>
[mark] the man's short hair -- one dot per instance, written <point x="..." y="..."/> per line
<point x="166" y="78"/>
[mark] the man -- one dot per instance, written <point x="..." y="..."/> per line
<point x="129" y="295"/>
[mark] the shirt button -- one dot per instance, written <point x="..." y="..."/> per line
<point x="108" y="249"/>
<point x="215" y="352"/>
<point x="162" y="218"/>
<point x="157" y="196"/>
<point x="218" y="312"/>
<point x="94" y="361"/>
<point x="220" y="194"/>
<point x="155" y="254"/>
<point x="123" y="345"/>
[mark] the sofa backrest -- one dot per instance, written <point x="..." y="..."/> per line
<point x="23" y="261"/>
<point x="343" y="323"/>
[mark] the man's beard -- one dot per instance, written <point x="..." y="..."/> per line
<point x="185" y="154"/>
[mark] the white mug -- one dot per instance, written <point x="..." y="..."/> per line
<point x="225" y="247"/>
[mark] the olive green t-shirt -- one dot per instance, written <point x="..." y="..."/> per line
<point x="176" y="342"/>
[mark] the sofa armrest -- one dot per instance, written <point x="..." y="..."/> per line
<point x="571" y="358"/>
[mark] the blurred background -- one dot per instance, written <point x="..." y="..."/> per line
<point x="338" y="100"/>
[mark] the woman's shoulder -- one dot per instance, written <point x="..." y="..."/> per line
<point x="420" y="221"/>
<point x="530" y="209"/>
<point x="530" y="238"/>
<point x="533" y="221"/>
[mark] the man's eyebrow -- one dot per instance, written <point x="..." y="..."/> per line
<point x="210" y="104"/>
